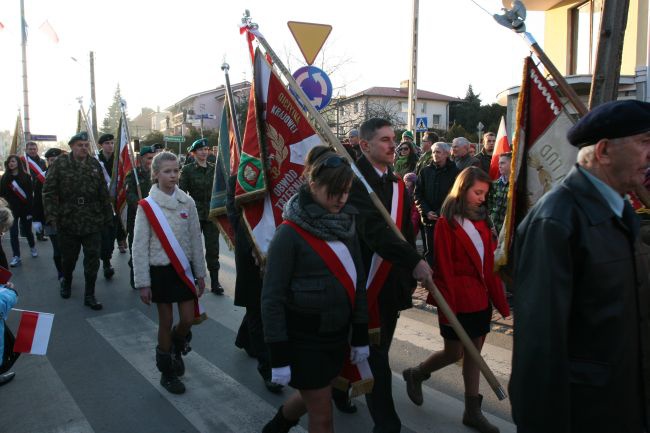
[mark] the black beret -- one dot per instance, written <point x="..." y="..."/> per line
<point x="53" y="152"/>
<point x="106" y="137"/>
<point x="79" y="136"/>
<point x="157" y="146"/>
<point x="615" y="119"/>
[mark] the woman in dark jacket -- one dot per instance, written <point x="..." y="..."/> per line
<point x="16" y="188"/>
<point x="313" y="296"/>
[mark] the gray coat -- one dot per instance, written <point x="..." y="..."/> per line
<point x="581" y="356"/>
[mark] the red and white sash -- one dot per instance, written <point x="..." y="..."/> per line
<point x="380" y="268"/>
<point x="337" y="258"/>
<point x="339" y="261"/>
<point x="20" y="193"/>
<point x="35" y="168"/>
<point x="173" y="249"/>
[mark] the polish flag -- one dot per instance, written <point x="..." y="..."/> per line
<point x="501" y="146"/>
<point x="33" y="332"/>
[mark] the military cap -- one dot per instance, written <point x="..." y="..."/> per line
<point x="157" y="146"/>
<point x="80" y="136"/>
<point x="147" y="149"/>
<point x="615" y="119"/>
<point x="198" y="144"/>
<point x="407" y="134"/>
<point x="106" y="137"/>
<point x="53" y="152"/>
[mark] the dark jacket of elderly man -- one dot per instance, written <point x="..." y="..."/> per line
<point x="581" y="355"/>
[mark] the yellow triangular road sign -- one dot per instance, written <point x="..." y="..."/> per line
<point x="310" y="38"/>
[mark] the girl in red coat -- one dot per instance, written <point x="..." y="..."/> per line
<point x="463" y="271"/>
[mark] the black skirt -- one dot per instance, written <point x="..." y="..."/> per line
<point x="476" y="324"/>
<point x="315" y="368"/>
<point x="167" y="287"/>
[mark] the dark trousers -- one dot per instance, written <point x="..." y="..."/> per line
<point x="251" y="337"/>
<point x="56" y="253"/>
<point x="107" y="241"/>
<point x="24" y="226"/>
<point x="428" y="234"/>
<point x="380" y="400"/>
<point x="211" y="236"/>
<point x="71" y="245"/>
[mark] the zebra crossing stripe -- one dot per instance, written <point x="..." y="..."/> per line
<point x="133" y="336"/>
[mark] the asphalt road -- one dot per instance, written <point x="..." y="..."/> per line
<point x="99" y="373"/>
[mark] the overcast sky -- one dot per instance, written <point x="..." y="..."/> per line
<point x="140" y="44"/>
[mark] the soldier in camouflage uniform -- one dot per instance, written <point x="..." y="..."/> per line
<point x="196" y="179"/>
<point x="132" y="198"/>
<point x="76" y="203"/>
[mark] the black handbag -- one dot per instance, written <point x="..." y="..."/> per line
<point x="9" y="356"/>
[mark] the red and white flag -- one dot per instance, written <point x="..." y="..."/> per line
<point x="541" y="154"/>
<point x="287" y="138"/>
<point x="502" y="145"/>
<point x="33" y="333"/>
<point x="20" y="193"/>
<point x="122" y="165"/>
<point x="35" y="168"/>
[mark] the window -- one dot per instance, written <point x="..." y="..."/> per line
<point x="436" y="121"/>
<point x="356" y="107"/>
<point x="423" y="108"/>
<point x="584" y="31"/>
<point x="404" y="107"/>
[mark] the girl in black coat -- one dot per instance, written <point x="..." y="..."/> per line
<point x="16" y="188"/>
<point x="312" y="310"/>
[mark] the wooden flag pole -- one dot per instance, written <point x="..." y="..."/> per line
<point x="320" y="125"/>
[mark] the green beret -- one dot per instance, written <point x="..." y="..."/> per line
<point x="147" y="149"/>
<point x="198" y="144"/>
<point x="53" y="152"/>
<point x="80" y="136"/>
<point x="106" y="137"/>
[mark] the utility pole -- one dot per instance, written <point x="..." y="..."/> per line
<point x="412" y="101"/>
<point x="93" y="101"/>
<point x="25" y="89"/>
<point x="607" y="72"/>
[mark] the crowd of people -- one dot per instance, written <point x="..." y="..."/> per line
<point x="326" y="301"/>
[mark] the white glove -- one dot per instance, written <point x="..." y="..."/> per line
<point x="37" y="227"/>
<point x="359" y="354"/>
<point x="281" y="376"/>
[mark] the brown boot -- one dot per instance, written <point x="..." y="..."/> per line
<point x="473" y="417"/>
<point x="414" y="378"/>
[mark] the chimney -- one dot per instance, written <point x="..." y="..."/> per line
<point x="404" y="84"/>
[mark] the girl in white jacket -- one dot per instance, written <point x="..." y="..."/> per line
<point x="159" y="278"/>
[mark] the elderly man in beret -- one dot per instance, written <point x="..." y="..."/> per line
<point x="581" y="358"/>
<point x="196" y="180"/>
<point x="76" y="203"/>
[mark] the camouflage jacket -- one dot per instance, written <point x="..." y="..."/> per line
<point x="75" y="196"/>
<point x="197" y="182"/>
<point x="144" y="179"/>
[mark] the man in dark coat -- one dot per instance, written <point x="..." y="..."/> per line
<point x="581" y="355"/>
<point x="431" y="189"/>
<point x="485" y="155"/>
<point x="107" y="158"/>
<point x="378" y="147"/>
<point x="38" y="216"/>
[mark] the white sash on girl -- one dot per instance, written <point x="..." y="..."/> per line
<point x="20" y="193"/>
<point x="173" y="249"/>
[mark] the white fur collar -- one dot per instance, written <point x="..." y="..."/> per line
<point x="168" y="201"/>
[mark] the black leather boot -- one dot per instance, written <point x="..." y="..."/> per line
<point x="279" y="424"/>
<point x="179" y="346"/>
<point x="343" y="402"/>
<point x="168" y="379"/>
<point x="91" y="302"/>
<point x="216" y="285"/>
<point x="66" y="287"/>
<point x="108" y="269"/>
